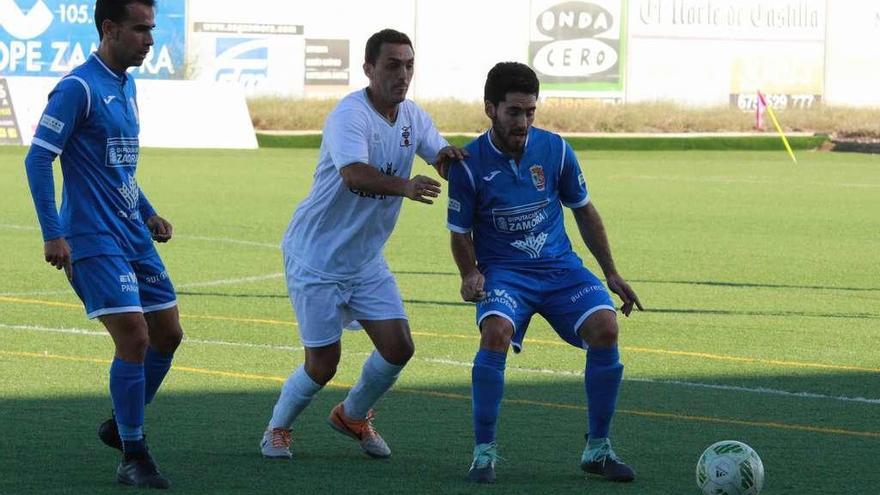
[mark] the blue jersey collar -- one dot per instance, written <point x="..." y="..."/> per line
<point x="503" y="154"/>
<point x="109" y="71"/>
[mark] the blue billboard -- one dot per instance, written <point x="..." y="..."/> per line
<point x="51" y="37"/>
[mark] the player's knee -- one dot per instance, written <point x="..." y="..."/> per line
<point x="321" y="363"/>
<point x="495" y="334"/>
<point x="400" y="354"/>
<point x="169" y="341"/>
<point x="321" y="373"/>
<point x="607" y="336"/>
<point x="133" y="347"/>
<point x="600" y="329"/>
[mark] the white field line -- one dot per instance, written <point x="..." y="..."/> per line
<point x="209" y="283"/>
<point x="269" y="245"/>
<point x="739" y="180"/>
<point x="712" y="386"/>
<point x="228" y="240"/>
<point x="465" y="364"/>
<point x="101" y="333"/>
<point x="232" y="281"/>
<point x="17" y="227"/>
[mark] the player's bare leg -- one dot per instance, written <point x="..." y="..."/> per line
<point x="354" y="416"/>
<point x="603" y="376"/>
<point x="297" y="393"/>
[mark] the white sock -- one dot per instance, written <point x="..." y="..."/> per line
<point x="296" y="394"/>
<point x="376" y="378"/>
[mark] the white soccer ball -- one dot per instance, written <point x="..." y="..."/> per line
<point x="729" y="467"/>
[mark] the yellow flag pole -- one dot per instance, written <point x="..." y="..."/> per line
<point x="778" y="128"/>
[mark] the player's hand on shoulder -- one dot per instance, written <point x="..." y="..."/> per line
<point x="446" y="157"/>
<point x="57" y="254"/>
<point x="421" y="189"/>
<point x="160" y="229"/>
<point x="619" y="286"/>
<point x="472" y="287"/>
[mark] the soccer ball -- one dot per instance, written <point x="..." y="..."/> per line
<point x="729" y="467"/>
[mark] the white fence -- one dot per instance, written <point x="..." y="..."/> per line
<point x="696" y="52"/>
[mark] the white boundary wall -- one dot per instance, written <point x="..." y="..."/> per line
<point x="699" y="52"/>
<point x="696" y="52"/>
<point x="173" y="114"/>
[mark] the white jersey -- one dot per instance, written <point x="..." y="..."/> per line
<point x="337" y="231"/>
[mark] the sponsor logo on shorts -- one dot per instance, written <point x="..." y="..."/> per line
<point x="155" y="279"/>
<point x="522" y="218"/>
<point x="51" y="123"/>
<point x="122" y="152"/>
<point x="128" y="282"/>
<point x="586" y="290"/>
<point x="500" y="296"/>
<point x="532" y="244"/>
<point x="454" y="205"/>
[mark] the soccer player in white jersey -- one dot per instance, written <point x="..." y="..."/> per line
<point x="102" y="239"/>
<point x="515" y="259"/>
<point x="336" y="274"/>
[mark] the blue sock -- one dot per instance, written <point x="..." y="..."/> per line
<point x="487" y="389"/>
<point x="602" y="381"/>
<point x="156" y="366"/>
<point x="127" y="393"/>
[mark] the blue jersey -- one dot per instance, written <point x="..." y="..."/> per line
<point x="515" y="210"/>
<point x="91" y="121"/>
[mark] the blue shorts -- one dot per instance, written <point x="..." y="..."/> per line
<point x="111" y="284"/>
<point x="565" y="297"/>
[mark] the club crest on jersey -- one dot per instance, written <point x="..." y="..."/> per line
<point x="405" y="134"/>
<point x="538" y="177"/>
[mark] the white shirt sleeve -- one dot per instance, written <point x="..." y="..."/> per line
<point x="430" y="140"/>
<point x="347" y="134"/>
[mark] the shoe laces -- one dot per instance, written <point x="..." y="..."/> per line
<point x="361" y="428"/>
<point x="604" y="453"/>
<point x="486" y="456"/>
<point x="364" y="428"/>
<point x="280" y="438"/>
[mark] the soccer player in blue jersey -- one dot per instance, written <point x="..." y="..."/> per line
<point x="515" y="259"/>
<point x="103" y="238"/>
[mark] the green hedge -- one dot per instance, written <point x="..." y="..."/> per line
<point x="654" y="143"/>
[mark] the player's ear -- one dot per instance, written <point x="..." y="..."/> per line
<point x="490" y="109"/>
<point x="368" y="70"/>
<point x="108" y="28"/>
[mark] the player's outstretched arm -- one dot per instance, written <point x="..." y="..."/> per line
<point x="471" y="279"/>
<point x="593" y="233"/>
<point x="446" y="157"/>
<point x="363" y="177"/>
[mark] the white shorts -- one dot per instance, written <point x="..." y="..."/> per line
<point x="324" y="305"/>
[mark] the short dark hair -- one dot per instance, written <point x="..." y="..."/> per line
<point x="509" y="77"/>
<point x="374" y="44"/>
<point x="114" y="10"/>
